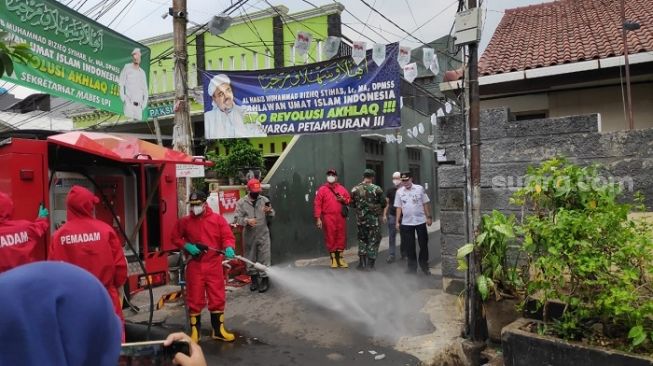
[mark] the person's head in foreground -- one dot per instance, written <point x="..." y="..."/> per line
<point x="56" y="313"/>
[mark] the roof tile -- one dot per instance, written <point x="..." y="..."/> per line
<point x="565" y="31"/>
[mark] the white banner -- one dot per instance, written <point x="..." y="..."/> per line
<point x="378" y="53"/>
<point x="330" y="47"/>
<point x="428" y="54"/>
<point x="410" y="72"/>
<point x="358" y="52"/>
<point x="435" y="65"/>
<point x="303" y="43"/>
<point x="448" y="107"/>
<point x="404" y="56"/>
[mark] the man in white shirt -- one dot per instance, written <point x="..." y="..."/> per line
<point x="133" y="87"/>
<point x="412" y="202"/>
<point x="226" y="119"/>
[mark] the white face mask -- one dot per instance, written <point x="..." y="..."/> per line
<point x="396" y="181"/>
<point x="331" y="178"/>
<point x="197" y="210"/>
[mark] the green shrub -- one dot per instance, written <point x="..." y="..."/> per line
<point x="583" y="250"/>
<point x="498" y="274"/>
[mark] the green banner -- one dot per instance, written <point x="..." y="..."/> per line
<point x="76" y="58"/>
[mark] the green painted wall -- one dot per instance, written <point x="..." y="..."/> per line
<point x="316" y="26"/>
<point x="220" y="53"/>
<point x="294" y="183"/>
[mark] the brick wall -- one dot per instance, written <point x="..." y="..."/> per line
<point x="509" y="147"/>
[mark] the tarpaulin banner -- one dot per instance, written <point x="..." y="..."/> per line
<point x="331" y="96"/>
<point x="76" y="58"/>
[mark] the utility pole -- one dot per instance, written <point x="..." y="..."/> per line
<point x="183" y="129"/>
<point x="478" y="326"/>
<point x="624" y="36"/>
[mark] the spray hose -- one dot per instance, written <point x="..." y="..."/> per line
<point x="257" y="265"/>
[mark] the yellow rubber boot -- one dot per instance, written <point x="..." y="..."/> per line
<point x="334" y="262"/>
<point x="340" y="259"/>
<point x="219" y="331"/>
<point x="195" y="326"/>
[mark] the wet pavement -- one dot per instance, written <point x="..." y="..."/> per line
<point x="281" y="327"/>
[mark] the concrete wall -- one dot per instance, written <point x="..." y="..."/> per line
<point x="509" y="147"/>
<point x="606" y="101"/>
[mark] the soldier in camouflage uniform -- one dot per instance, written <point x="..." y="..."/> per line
<point x="367" y="198"/>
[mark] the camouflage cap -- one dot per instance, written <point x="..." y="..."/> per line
<point x="197" y="198"/>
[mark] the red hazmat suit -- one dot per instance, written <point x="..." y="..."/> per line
<point x="327" y="208"/>
<point x="204" y="277"/>
<point x="91" y="244"/>
<point x="19" y="239"/>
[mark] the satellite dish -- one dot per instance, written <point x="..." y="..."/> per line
<point x="219" y="24"/>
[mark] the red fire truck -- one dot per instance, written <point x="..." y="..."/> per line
<point x="135" y="181"/>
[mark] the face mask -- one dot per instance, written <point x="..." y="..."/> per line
<point x="331" y="178"/>
<point x="396" y="181"/>
<point x="253" y="195"/>
<point x="197" y="210"/>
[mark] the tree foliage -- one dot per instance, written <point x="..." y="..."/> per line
<point x="241" y="154"/>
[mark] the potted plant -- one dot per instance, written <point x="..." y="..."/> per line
<point x="583" y="250"/>
<point x="500" y="276"/>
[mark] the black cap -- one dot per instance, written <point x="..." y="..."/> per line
<point x="332" y="172"/>
<point x="196" y="198"/>
<point x="406" y="175"/>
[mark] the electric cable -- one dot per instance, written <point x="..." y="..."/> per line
<point x="355" y="17"/>
<point x="393" y="23"/>
<point x="308" y="53"/>
<point x="170" y="50"/>
<point x="255" y="30"/>
<point x="402" y="29"/>
<point x="367" y="20"/>
<point x="123" y="12"/>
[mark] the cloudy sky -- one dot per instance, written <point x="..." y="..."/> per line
<point x="139" y="19"/>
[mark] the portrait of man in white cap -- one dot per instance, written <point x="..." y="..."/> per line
<point x="133" y="87"/>
<point x="226" y="119"/>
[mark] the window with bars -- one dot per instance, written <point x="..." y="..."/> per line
<point x="373" y="147"/>
<point x="164" y="80"/>
<point x="155" y="83"/>
<point x="414" y="163"/>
